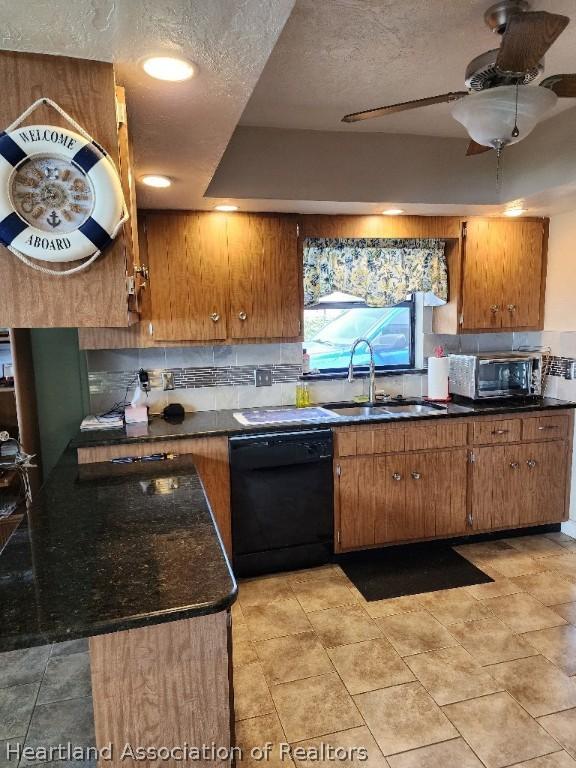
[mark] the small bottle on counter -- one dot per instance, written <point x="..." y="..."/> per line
<point x="305" y="362"/>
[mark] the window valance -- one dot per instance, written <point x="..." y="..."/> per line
<point x="382" y="272"/>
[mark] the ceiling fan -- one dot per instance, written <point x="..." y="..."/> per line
<point x="499" y="107"/>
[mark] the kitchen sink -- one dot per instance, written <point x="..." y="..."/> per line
<point x="363" y="411"/>
<point x="412" y="409"/>
<point x="392" y="410"/>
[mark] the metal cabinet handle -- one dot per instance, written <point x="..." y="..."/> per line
<point x="514" y="465"/>
<point x="531" y="463"/>
<point x="416" y="475"/>
<point x="495" y="308"/>
<point x="397" y="476"/>
<point x="242" y="315"/>
<point x="214" y="317"/>
<point x="511" y="307"/>
<point x="469" y="520"/>
<point x="500" y="431"/>
<point x="548" y="426"/>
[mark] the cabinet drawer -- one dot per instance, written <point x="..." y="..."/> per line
<point x="422" y="437"/>
<point x="369" y="440"/>
<point x="502" y="431"/>
<point x="545" y="428"/>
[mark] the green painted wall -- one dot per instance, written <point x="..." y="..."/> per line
<point x="61" y="389"/>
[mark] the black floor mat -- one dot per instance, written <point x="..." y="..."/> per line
<point x="408" y="570"/>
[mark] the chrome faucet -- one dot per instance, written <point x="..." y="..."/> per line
<point x="372" y="386"/>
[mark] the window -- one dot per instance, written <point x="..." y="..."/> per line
<point x="332" y="327"/>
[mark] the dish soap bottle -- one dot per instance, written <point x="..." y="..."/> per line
<point x="305" y="362"/>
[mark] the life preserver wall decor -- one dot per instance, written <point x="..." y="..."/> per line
<point x="61" y="197"/>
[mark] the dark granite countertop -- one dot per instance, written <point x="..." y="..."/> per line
<point x="213" y="423"/>
<point x="111" y="547"/>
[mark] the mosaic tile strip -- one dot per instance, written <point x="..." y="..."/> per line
<point x="559" y="365"/>
<point x="101" y="382"/>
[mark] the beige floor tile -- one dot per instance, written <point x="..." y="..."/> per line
<point x="548" y="587"/>
<point x="251" y="694"/>
<point x="560" y="537"/>
<point x="243" y="651"/>
<point x="490" y="641"/>
<point x="354" y="741"/>
<point x="523" y="613"/>
<point x="369" y="665"/>
<point x="315" y="707"/>
<point x="567" y="611"/>
<point x="415" y="632"/>
<point x="562" y="726"/>
<point x="483" y="548"/>
<point x="557" y="644"/>
<point x="404" y="717"/>
<point x="555" y="760"/>
<point x="535" y="546"/>
<point x="283" y="617"/>
<point x="515" y="563"/>
<point x="539" y="686"/>
<point x="237" y="615"/>
<point x="318" y="594"/>
<point x="264" y="590"/>
<point x="293" y="657"/>
<point x="494" y="589"/>
<point x="499" y="731"/>
<point x="380" y="608"/>
<point x="451" y="606"/>
<point x="330" y="571"/>
<point x="565" y="565"/>
<point x="451" y="674"/>
<point x="340" y="626"/>
<point x="253" y="734"/>
<point x="448" y="754"/>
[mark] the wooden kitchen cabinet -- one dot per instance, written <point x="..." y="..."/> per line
<point x="355" y="495"/>
<point x="503" y="274"/>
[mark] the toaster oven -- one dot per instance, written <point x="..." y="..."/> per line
<point x="496" y="375"/>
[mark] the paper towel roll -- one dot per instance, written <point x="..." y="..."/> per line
<point x="438" y="378"/>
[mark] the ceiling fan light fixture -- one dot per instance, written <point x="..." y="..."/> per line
<point x="393" y="211"/>
<point x="170" y="68"/>
<point x="155" y="180"/>
<point x="226" y="208"/>
<point x="516" y="210"/>
<point x="491" y="116"/>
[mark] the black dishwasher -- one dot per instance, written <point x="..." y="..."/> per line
<point x="282" y="501"/>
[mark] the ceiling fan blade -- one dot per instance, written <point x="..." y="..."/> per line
<point x="403" y="106"/>
<point x="476" y="149"/>
<point x="527" y="38"/>
<point x="563" y="86"/>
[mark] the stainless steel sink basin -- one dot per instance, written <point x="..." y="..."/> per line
<point x="363" y="411"/>
<point x="401" y="409"/>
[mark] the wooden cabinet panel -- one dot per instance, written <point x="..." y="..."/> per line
<point x="503" y="274"/>
<point x="450" y="490"/>
<point x="545" y="427"/>
<point x="345" y="442"/>
<point x="496" y="487"/>
<point x="187" y="255"/>
<point x="390" y="502"/>
<point x="523" y="266"/>
<point x="544" y="468"/>
<point x="264" y="276"/>
<point x="497" y="431"/>
<point x="96" y="296"/>
<point x="422" y="437"/>
<point x="355" y="502"/>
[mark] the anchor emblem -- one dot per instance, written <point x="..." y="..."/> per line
<point x="53" y="219"/>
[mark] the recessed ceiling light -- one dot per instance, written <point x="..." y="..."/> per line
<point x="516" y="211"/>
<point x="226" y="208"/>
<point x="393" y="211"/>
<point x="168" y="68"/>
<point x="152" y="180"/>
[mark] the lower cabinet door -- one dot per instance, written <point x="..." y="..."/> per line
<point x="390" y="498"/>
<point x="544" y="468"/>
<point x="447" y="491"/>
<point x="355" y="498"/>
<point x="496" y="485"/>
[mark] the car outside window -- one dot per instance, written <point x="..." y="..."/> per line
<point x="330" y="329"/>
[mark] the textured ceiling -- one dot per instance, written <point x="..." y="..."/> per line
<point x="179" y="129"/>
<point x="339" y="56"/>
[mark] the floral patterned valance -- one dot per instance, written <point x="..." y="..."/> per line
<point x="382" y="272"/>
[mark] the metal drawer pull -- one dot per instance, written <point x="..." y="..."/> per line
<point x="500" y="431"/>
<point x="416" y="475"/>
<point x="495" y="308"/>
<point x="242" y="315"/>
<point x="397" y="476"/>
<point x="511" y="307"/>
<point x="531" y="463"/>
<point x="514" y="465"/>
<point x="469" y="520"/>
<point x="215" y="317"/>
<point x="548" y="426"/>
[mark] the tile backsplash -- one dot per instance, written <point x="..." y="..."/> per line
<point x="222" y="377"/>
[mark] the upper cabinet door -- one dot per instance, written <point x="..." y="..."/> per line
<point x="188" y="264"/>
<point x="265" y="276"/>
<point x="503" y="274"/>
<point x="523" y="274"/>
<point x="483" y="275"/>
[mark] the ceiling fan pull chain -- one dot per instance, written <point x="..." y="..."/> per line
<point x="499" y="151"/>
<point x="515" y="131"/>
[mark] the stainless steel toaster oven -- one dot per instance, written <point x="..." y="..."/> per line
<point x="496" y="374"/>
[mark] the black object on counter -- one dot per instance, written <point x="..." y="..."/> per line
<point x="174" y="413"/>
<point x="111" y="547"/>
<point x="282" y="501"/>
